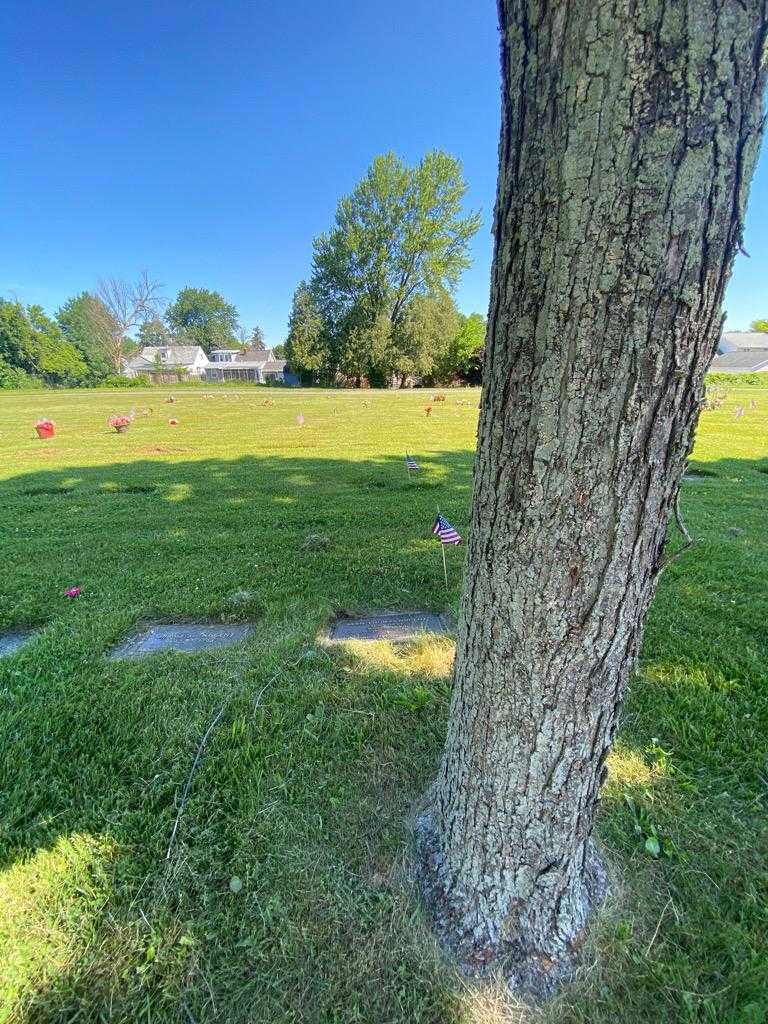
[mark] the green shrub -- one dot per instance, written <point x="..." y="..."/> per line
<point x="13" y="378"/>
<point x="117" y="381"/>
<point x="753" y="380"/>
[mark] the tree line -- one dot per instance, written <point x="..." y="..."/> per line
<point x="379" y="307"/>
<point x="377" y="310"/>
<point x="91" y="336"/>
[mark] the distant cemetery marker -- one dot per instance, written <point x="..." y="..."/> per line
<point x="10" y="643"/>
<point x="397" y="626"/>
<point x="188" y="638"/>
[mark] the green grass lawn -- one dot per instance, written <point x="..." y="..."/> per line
<point x="286" y="894"/>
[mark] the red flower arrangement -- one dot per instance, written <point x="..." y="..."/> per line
<point x="120" y="423"/>
<point x="45" y="428"/>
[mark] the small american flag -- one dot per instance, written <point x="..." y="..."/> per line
<point x="445" y="531"/>
<point x="411" y="464"/>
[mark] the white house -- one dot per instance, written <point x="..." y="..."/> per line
<point x="160" y="360"/>
<point x="741" y="352"/>
<point x="252" y="365"/>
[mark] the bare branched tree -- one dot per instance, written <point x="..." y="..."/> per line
<point x="121" y="306"/>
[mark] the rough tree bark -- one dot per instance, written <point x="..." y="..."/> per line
<point x="629" y="134"/>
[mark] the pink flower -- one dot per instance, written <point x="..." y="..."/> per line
<point x="73" y="592"/>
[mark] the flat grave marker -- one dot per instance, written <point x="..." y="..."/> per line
<point x="185" y="638"/>
<point x="12" y="642"/>
<point x="396" y="626"/>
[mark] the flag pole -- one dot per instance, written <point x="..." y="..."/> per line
<point x="442" y="551"/>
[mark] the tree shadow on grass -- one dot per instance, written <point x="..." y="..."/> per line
<point x="305" y="786"/>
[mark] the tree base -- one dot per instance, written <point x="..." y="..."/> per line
<point x="534" y="967"/>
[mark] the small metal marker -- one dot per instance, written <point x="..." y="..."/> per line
<point x="188" y="638"/>
<point x="11" y="643"/>
<point x="394" y="626"/>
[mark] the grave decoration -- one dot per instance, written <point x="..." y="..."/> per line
<point x="45" y="428"/>
<point x="411" y="465"/>
<point x="119" y="423"/>
<point x="446" y="534"/>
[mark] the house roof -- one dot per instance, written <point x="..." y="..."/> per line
<point x="251" y="355"/>
<point x="179" y="355"/>
<point x="273" y="366"/>
<point x="732" y="340"/>
<point x="751" y="360"/>
<point x="137" y="361"/>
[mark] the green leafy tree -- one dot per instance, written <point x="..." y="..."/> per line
<point x="400" y="234"/>
<point x="759" y="325"/>
<point x="426" y="336"/>
<point x="278" y="351"/>
<point x="13" y="378"/>
<point x="154" y="332"/>
<point x="367" y="351"/>
<point x="87" y="325"/>
<point x="306" y="347"/>
<point x="32" y="343"/>
<point x="256" y="340"/>
<point x="464" y="357"/>
<point x="203" y="316"/>
<point x="19" y="343"/>
<point x="58" y="360"/>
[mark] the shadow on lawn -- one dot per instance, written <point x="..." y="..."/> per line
<point x="303" y="793"/>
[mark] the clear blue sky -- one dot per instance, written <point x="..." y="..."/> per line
<point x="209" y="142"/>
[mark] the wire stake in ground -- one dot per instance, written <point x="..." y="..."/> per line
<point x="201" y="748"/>
<point x="689" y="541"/>
<point x="192" y="771"/>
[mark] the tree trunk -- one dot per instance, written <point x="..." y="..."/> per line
<point x="629" y="134"/>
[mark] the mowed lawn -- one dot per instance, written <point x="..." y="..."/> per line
<point x="286" y="895"/>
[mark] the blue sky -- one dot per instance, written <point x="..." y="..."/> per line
<point x="209" y="142"/>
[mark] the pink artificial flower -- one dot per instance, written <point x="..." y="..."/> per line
<point x="73" y="592"/>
